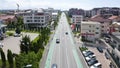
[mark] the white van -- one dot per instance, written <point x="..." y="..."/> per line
<point x="97" y="65"/>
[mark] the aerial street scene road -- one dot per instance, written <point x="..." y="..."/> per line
<point x="63" y="53"/>
<point x="59" y="34"/>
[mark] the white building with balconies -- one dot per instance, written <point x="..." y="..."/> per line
<point x="36" y="19"/>
<point x="90" y="30"/>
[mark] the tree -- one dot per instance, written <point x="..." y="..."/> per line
<point x="18" y="31"/>
<point x="10" y="58"/>
<point x="25" y="44"/>
<point x="3" y="58"/>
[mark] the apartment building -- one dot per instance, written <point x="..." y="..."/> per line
<point x="36" y="19"/>
<point x="75" y="11"/>
<point x="54" y="15"/>
<point x="76" y="20"/>
<point x="105" y="23"/>
<point x="90" y="30"/>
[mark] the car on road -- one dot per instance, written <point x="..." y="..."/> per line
<point x="97" y="65"/>
<point x="17" y="35"/>
<point x="1" y="45"/>
<point x="92" y="62"/>
<point x="100" y="49"/>
<point x="54" y="66"/>
<point x="57" y="40"/>
<point x="66" y="33"/>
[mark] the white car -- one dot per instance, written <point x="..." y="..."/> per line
<point x="85" y="51"/>
<point x="1" y="45"/>
<point x="17" y="35"/>
<point x="97" y="65"/>
<point x="88" y="58"/>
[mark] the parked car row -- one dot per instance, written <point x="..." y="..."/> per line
<point x="91" y="59"/>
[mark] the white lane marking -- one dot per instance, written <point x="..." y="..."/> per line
<point x="67" y="58"/>
<point x="59" y="55"/>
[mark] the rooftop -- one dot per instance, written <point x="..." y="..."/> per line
<point x="3" y="17"/>
<point x="89" y="22"/>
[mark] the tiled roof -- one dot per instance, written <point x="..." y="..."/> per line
<point x="99" y="18"/>
<point x="3" y="17"/>
<point x="113" y="17"/>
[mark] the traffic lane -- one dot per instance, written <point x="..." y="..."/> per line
<point x="69" y="46"/>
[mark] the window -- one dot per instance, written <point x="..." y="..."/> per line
<point x="89" y="30"/>
<point x="97" y="32"/>
<point x="42" y="20"/>
<point x="89" y="25"/>
<point x="35" y="20"/>
<point x="102" y="26"/>
<point x="28" y="20"/>
<point x="97" y="28"/>
<point x="42" y="17"/>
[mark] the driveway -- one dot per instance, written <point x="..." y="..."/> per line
<point x="13" y="43"/>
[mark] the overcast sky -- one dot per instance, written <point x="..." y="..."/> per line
<point x="58" y="4"/>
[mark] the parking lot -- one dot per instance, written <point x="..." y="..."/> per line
<point x="100" y="57"/>
<point x="13" y="43"/>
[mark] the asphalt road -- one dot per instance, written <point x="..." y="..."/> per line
<point x="64" y="54"/>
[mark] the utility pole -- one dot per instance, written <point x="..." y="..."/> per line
<point x="18" y="7"/>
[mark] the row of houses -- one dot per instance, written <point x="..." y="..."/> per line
<point x="95" y="11"/>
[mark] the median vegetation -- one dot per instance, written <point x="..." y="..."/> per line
<point x="68" y="18"/>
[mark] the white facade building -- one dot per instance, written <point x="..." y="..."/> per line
<point x="54" y="15"/>
<point x="36" y="19"/>
<point x="90" y="30"/>
<point x="76" y="20"/>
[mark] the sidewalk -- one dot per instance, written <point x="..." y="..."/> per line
<point x="45" y="53"/>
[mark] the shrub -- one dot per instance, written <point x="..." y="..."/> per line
<point x="9" y="33"/>
<point x="83" y="48"/>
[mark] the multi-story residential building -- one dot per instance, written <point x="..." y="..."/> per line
<point x="36" y="19"/>
<point x="105" y="23"/>
<point x="54" y="15"/>
<point x="75" y="11"/>
<point x="106" y="11"/>
<point x="90" y="30"/>
<point x="87" y="14"/>
<point x="76" y="20"/>
<point x="95" y="11"/>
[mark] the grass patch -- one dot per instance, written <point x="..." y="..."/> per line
<point x="35" y="40"/>
<point x="29" y="31"/>
<point x="9" y="33"/>
<point x="83" y="48"/>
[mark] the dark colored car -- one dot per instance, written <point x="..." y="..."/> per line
<point x="66" y="33"/>
<point x="100" y="49"/>
<point x="88" y="53"/>
<point x="93" y="61"/>
<point x="54" y="66"/>
<point x="57" y="40"/>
